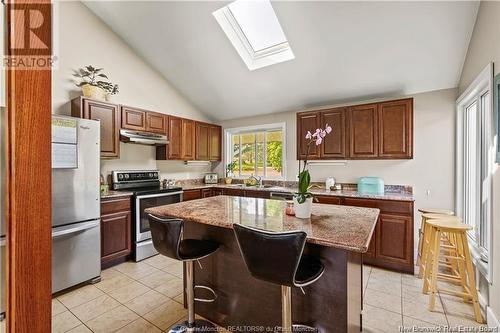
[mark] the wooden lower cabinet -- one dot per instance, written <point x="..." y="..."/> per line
<point x="328" y="199"/>
<point x="391" y="245"/>
<point x="191" y="195"/>
<point x="206" y="192"/>
<point x="116" y="227"/>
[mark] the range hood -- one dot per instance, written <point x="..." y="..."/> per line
<point x="143" y="138"/>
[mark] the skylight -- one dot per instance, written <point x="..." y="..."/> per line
<point x="255" y="32"/>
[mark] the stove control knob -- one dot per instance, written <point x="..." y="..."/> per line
<point x="156" y="174"/>
<point x="127" y="176"/>
<point x="120" y="176"/>
<point x="150" y="175"/>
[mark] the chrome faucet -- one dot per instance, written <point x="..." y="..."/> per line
<point x="261" y="184"/>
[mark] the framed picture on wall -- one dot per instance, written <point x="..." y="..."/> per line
<point x="496" y="105"/>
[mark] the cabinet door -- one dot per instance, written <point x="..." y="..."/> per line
<point x="309" y="121"/>
<point x="215" y="143"/>
<point x="191" y="195"/>
<point x="206" y="192"/>
<point x="115" y="235"/>
<point x="174" y="132"/>
<point x="217" y="191"/>
<point x="156" y="123"/>
<point x="234" y="192"/>
<point x="202" y="141"/>
<point x="109" y="116"/>
<point x="133" y="119"/>
<point x="395" y="239"/>
<point x="188" y="135"/>
<point x="363" y="131"/>
<point x="334" y="144"/>
<point x="395" y="129"/>
<point x="328" y="199"/>
<point x="257" y="194"/>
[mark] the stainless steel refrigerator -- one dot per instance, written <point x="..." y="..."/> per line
<point x="76" y="249"/>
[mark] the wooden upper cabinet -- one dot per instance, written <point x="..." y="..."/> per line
<point x="363" y="131"/>
<point x="202" y="141"/>
<point x="215" y="136"/>
<point x="109" y="116"/>
<point x="133" y="119"/>
<point x="334" y="144"/>
<point x="156" y="123"/>
<point x="395" y="129"/>
<point x="307" y="121"/>
<point x="188" y="144"/>
<point x="174" y="136"/>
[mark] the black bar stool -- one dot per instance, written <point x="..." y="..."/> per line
<point x="167" y="240"/>
<point x="277" y="258"/>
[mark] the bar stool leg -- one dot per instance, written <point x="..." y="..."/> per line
<point x="190" y="293"/>
<point x="425" y="248"/>
<point x="420" y="243"/>
<point x="426" y="264"/>
<point x="471" y="278"/>
<point x="435" y="266"/>
<point x="286" y="309"/>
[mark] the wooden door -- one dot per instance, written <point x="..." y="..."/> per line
<point x="215" y="143"/>
<point x="188" y="134"/>
<point x="109" y="116"/>
<point x="395" y="129"/>
<point x="202" y="141"/>
<point x="395" y="239"/>
<point x="156" y="123"/>
<point x="115" y="236"/>
<point x="308" y="121"/>
<point x="334" y="144"/>
<point x="174" y="132"/>
<point x="133" y="119"/>
<point x="363" y="131"/>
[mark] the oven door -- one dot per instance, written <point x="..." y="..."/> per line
<point x="142" y="202"/>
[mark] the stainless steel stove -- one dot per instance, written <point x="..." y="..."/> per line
<point x="146" y="186"/>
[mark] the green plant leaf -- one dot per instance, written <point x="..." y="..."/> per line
<point x="102" y="75"/>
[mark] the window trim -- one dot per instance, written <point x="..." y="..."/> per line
<point x="228" y="132"/>
<point x="481" y="85"/>
<point x="253" y="59"/>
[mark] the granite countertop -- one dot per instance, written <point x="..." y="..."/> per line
<point x="401" y="196"/>
<point x="343" y="227"/>
<point x="116" y="194"/>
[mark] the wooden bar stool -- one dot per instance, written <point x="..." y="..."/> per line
<point x="456" y="232"/>
<point x="421" y="229"/>
<point x="424" y="239"/>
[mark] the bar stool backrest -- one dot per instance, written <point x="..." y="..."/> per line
<point x="271" y="256"/>
<point x="167" y="235"/>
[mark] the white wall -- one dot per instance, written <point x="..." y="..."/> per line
<point x="484" y="47"/>
<point x="85" y="40"/>
<point x="431" y="169"/>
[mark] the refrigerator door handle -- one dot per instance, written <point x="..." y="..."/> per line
<point x="64" y="231"/>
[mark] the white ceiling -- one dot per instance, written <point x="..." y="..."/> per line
<point x="344" y="51"/>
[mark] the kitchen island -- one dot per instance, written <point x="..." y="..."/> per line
<point x="338" y="235"/>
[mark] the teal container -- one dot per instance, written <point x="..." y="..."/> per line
<point x="371" y="185"/>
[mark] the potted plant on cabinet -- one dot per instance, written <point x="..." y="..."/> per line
<point x="302" y="199"/>
<point x="94" y="83"/>
<point x="229" y="172"/>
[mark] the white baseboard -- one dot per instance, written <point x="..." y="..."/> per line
<point x="491" y="319"/>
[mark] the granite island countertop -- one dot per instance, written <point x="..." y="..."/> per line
<point x="343" y="227"/>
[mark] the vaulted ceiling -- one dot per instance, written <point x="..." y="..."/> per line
<point x="344" y="51"/>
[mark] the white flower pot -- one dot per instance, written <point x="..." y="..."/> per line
<point x="302" y="210"/>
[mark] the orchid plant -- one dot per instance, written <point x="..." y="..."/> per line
<point x="304" y="176"/>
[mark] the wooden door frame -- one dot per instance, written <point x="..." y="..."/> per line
<point x="28" y="184"/>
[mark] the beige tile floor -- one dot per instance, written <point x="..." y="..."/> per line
<point x="147" y="297"/>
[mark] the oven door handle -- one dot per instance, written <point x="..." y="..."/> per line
<point x="156" y="195"/>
